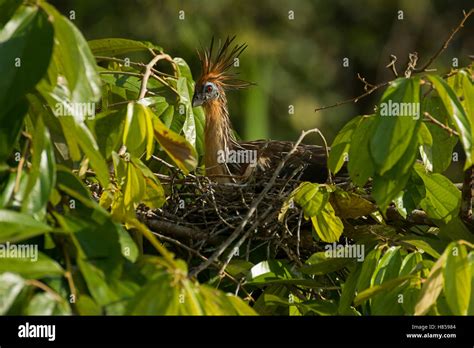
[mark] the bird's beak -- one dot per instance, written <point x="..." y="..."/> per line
<point x="197" y="101"/>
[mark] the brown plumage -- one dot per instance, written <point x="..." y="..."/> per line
<point x="210" y="92"/>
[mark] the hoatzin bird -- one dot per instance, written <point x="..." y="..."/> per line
<point x="210" y="93"/>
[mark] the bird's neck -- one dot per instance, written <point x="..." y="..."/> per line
<point x="218" y="136"/>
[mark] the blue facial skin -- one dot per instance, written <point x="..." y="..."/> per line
<point x="208" y="92"/>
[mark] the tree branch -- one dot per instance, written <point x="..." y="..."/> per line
<point x="446" y="43"/>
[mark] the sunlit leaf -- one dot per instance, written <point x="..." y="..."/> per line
<point x="443" y="199"/>
<point x="341" y="144"/>
<point x="458" y="115"/>
<point x="178" y="148"/>
<point x="457" y="279"/>
<point x="327" y="225"/>
<point x="10" y="287"/>
<point x="17" y="226"/>
<point x="111" y="47"/>
<point x="396" y="122"/>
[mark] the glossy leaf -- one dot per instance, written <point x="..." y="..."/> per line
<point x="457" y="279"/>
<point x="10" y="287"/>
<point x="360" y="164"/>
<point x="327" y="225"/>
<point x="111" y="47"/>
<point x="178" y="148"/>
<point x="341" y="144"/>
<point x="443" y="199"/>
<point x="324" y="262"/>
<point x="432" y="286"/>
<point x="73" y="60"/>
<point x="17" y="226"/>
<point x="440" y="152"/>
<point x="42" y="176"/>
<point x="458" y="116"/>
<point x="310" y="198"/>
<point x="45" y="304"/>
<point x="34" y="267"/>
<point x="26" y="44"/>
<point x="396" y="122"/>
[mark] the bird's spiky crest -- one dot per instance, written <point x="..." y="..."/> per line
<point x="216" y="67"/>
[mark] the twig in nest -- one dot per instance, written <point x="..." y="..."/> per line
<point x="252" y="209"/>
<point x="244" y="237"/>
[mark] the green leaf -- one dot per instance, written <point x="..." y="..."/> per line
<point x="388" y="187"/>
<point x="128" y="246"/>
<point x="42" y="176"/>
<point x="177" y="147"/>
<point x="310" y="198"/>
<point x="111" y="47"/>
<point x="67" y="179"/>
<point x="45" y="304"/>
<point x="457" y="279"/>
<point x="368" y="269"/>
<point x="10" y="128"/>
<point x="380" y="289"/>
<point x="10" y="287"/>
<point x="349" y="290"/>
<point x="455" y="230"/>
<point x="74" y="62"/>
<point x="422" y="244"/>
<point x="269" y="270"/>
<point x="324" y="262"/>
<point x="86" y="306"/>
<point x="34" y="267"/>
<point x="146" y="301"/>
<point x="18" y="226"/>
<point x="138" y="130"/>
<point x="7" y="9"/>
<point x="432" y="286"/>
<point x="388" y="266"/>
<point x="134" y="186"/>
<point x="26" y="44"/>
<point x="97" y="283"/>
<point x="443" y="199"/>
<point x="471" y="302"/>
<point x="154" y="195"/>
<point x="458" y="116"/>
<point x="341" y="144"/>
<point x="351" y="205"/>
<point x="360" y="164"/>
<point x="440" y="153"/>
<point x="91" y="150"/>
<point x="327" y="225"/>
<point x="397" y="118"/>
<point x="108" y="130"/>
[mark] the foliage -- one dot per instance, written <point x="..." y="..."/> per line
<point x="81" y="150"/>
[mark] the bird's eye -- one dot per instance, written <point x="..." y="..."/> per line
<point x="209" y="89"/>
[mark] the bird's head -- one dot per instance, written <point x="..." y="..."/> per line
<point x="216" y="76"/>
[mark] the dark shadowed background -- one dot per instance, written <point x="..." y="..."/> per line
<point x="295" y="62"/>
